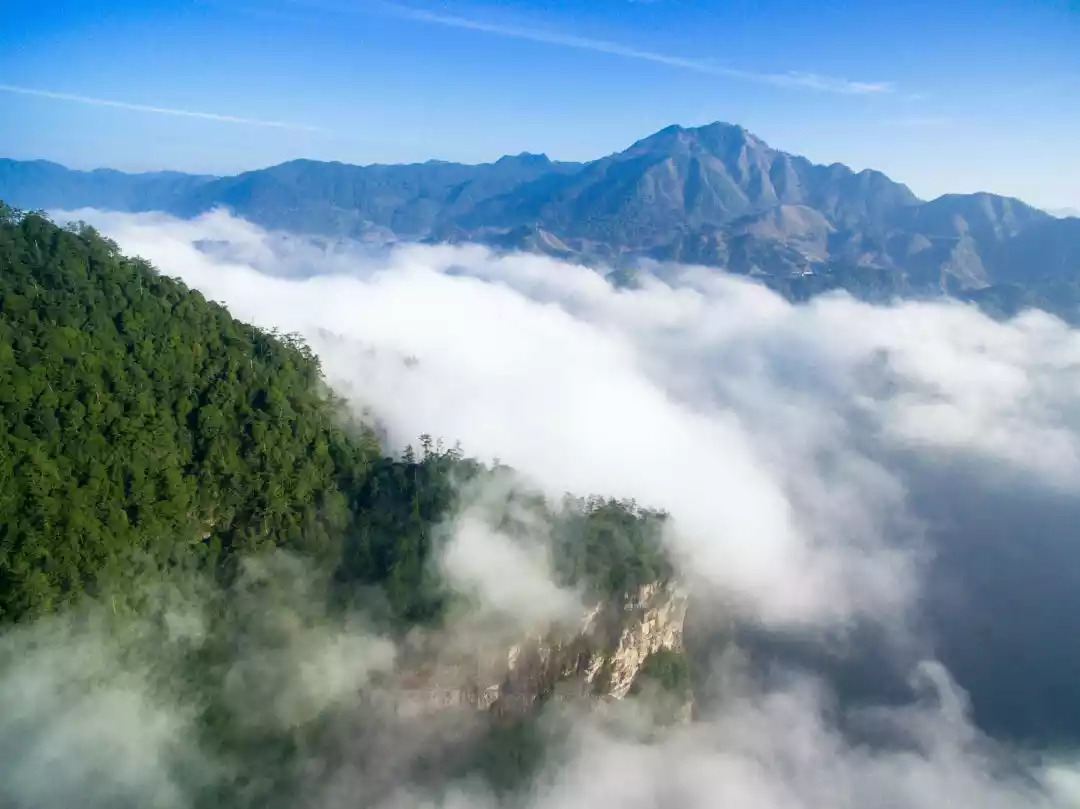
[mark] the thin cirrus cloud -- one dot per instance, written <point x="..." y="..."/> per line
<point x="124" y="105"/>
<point x="796" y="79"/>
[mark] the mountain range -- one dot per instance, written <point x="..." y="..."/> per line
<point x="714" y="195"/>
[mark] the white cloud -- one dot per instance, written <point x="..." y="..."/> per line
<point x="510" y="576"/>
<point x="761" y="426"/>
<point x="82" y="725"/>
<point x="781" y="749"/>
<point x="560" y="383"/>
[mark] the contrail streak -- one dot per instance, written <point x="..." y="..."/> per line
<point x="124" y="105"/>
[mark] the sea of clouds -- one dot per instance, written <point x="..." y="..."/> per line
<point x="911" y="468"/>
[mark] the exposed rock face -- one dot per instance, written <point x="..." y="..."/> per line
<point x="652" y="621"/>
<point x="596" y="662"/>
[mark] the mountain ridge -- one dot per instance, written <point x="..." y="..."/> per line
<point x="716" y="195"/>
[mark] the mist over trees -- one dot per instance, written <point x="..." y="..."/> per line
<point x="155" y="445"/>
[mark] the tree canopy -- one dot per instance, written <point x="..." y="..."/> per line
<point x="145" y="426"/>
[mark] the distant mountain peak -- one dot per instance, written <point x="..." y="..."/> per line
<point x="711" y="126"/>
<point x="725" y="128"/>
<point x="529" y="158"/>
<point x="721" y="139"/>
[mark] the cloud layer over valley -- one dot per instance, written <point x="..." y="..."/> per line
<point x="833" y="470"/>
<point x="782" y="438"/>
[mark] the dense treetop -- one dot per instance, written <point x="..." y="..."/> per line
<point x="142" y="419"/>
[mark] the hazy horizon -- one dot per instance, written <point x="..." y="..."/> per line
<point x="208" y="88"/>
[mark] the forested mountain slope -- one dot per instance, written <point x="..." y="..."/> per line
<point x="146" y="427"/>
<point x="142" y="419"/>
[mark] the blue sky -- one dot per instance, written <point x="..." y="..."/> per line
<point x="957" y="96"/>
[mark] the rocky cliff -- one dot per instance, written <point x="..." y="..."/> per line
<point x="596" y="661"/>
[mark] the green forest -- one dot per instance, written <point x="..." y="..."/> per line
<point x="152" y="441"/>
<point x="146" y="429"/>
